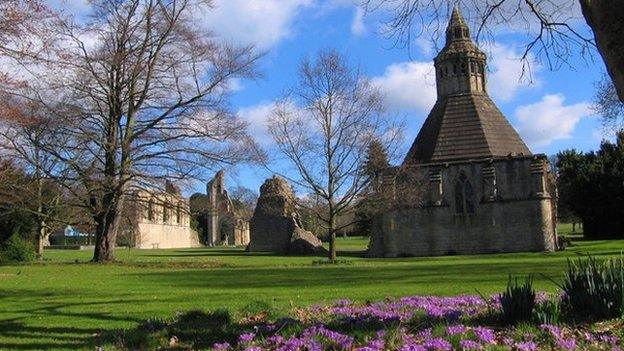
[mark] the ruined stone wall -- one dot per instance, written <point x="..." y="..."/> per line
<point x="165" y="236"/>
<point x="223" y="225"/>
<point x="272" y="223"/>
<point x="162" y="221"/>
<point x="240" y="236"/>
<point x="511" y="210"/>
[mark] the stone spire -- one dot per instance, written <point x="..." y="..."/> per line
<point x="464" y="123"/>
<point x="460" y="66"/>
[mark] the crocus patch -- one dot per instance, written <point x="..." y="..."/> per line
<point x="416" y="323"/>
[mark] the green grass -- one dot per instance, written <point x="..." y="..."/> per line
<point x="61" y="302"/>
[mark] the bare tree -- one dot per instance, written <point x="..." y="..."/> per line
<point x="136" y="96"/>
<point x="608" y="105"/>
<point x="244" y="200"/>
<point x="552" y="26"/>
<point x="324" y="127"/>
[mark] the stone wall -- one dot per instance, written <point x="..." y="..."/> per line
<point x="224" y="226"/>
<point x="165" y="236"/>
<point x="276" y="225"/>
<point x="509" y="209"/>
<point x="160" y="221"/>
<point x="272" y="223"/>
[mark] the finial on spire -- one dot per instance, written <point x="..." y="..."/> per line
<point x="456" y="17"/>
<point x="457" y="28"/>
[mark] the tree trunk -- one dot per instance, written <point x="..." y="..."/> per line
<point x="107" y="224"/>
<point x="41" y="236"/>
<point x="332" y="237"/>
<point x="605" y="17"/>
<point x="105" y="237"/>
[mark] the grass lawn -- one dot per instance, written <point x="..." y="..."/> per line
<point x="61" y="302"/>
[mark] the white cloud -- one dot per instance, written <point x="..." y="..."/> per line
<point x="507" y="77"/>
<point x="357" y="26"/>
<point x="257" y="117"/>
<point x="409" y="85"/>
<point x="548" y="120"/>
<point x="263" y="23"/>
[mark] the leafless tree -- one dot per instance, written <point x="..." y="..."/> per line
<point x="135" y="96"/>
<point x="244" y="200"/>
<point x="553" y="27"/>
<point x="323" y="128"/>
<point x="608" y="106"/>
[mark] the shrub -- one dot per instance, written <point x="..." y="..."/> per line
<point x="16" y="249"/>
<point x="593" y="290"/>
<point x="518" y="301"/>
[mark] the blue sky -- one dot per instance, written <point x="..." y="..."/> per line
<point x="551" y="113"/>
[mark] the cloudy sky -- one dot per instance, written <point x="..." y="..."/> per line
<point x="551" y="110"/>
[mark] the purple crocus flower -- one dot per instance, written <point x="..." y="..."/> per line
<point x="245" y="338"/>
<point x="438" y="344"/>
<point x="469" y="345"/>
<point x="221" y="346"/>
<point x="526" y="346"/>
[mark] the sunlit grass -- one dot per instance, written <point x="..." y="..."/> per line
<point x="61" y="302"/>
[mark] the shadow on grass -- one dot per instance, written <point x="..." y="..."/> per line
<point x="438" y="278"/>
<point x="241" y="253"/>
<point x="56" y="336"/>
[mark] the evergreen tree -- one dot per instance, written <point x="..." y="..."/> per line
<point x="370" y="203"/>
<point x="592" y="186"/>
<point x="376" y="158"/>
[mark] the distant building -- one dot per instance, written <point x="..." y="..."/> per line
<point x="469" y="184"/>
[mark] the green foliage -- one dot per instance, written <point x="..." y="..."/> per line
<point x="593" y="290"/>
<point x="548" y="312"/>
<point x="591" y="186"/>
<point x="518" y="301"/>
<point x="15" y="220"/>
<point x="16" y="249"/>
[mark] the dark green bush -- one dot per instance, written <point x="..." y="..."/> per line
<point x="593" y="290"/>
<point x="16" y="249"/>
<point x="518" y="301"/>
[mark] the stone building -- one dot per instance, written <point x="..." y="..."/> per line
<point x="158" y="220"/>
<point x="477" y="187"/>
<point x="219" y="220"/>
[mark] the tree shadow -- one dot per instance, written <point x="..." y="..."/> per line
<point x="56" y="336"/>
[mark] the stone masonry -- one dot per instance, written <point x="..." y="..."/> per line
<point x="275" y="225"/>
<point x="480" y="190"/>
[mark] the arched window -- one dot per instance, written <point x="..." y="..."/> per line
<point x="178" y="214"/>
<point x="464" y="196"/>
